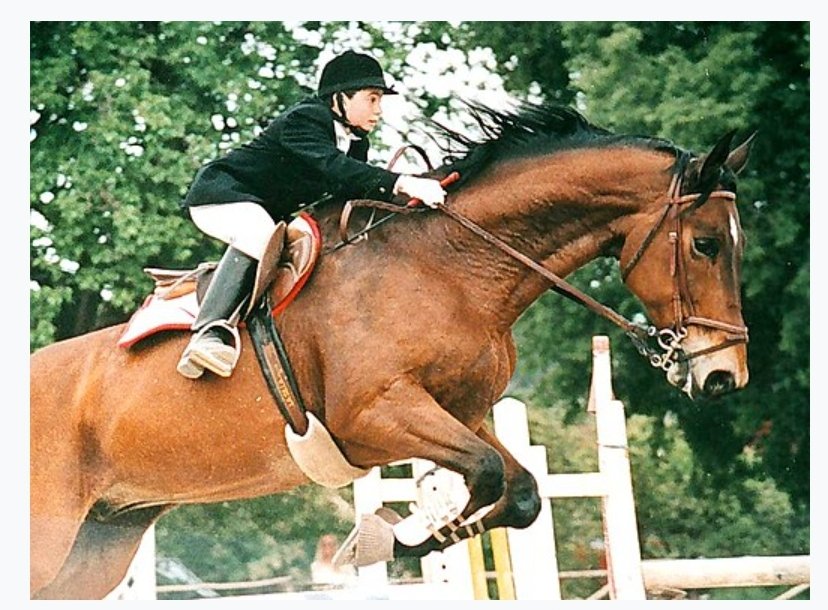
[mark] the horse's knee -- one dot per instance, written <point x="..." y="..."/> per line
<point x="524" y="502"/>
<point x="487" y="482"/>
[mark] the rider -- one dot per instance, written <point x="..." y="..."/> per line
<point x="318" y="147"/>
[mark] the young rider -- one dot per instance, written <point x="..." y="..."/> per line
<point x="317" y="147"/>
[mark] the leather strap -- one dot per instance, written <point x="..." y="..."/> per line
<point x="736" y="334"/>
<point x="276" y="368"/>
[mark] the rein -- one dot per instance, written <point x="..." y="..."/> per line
<point x="668" y="339"/>
<point x="373" y="222"/>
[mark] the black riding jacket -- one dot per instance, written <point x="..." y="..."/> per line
<point x="294" y="162"/>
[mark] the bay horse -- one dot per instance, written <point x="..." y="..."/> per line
<point x="401" y="343"/>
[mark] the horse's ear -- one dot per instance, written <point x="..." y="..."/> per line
<point x="738" y="158"/>
<point x="714" y="161"/>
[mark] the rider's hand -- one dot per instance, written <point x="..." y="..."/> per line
<point x="429" y="191"/>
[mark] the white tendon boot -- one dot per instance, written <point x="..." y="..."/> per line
<point x="442" y="495"/>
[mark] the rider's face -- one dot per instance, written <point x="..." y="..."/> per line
<point x="363" y="109"/>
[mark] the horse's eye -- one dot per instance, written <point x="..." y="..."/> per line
<point x="706" y="246"/>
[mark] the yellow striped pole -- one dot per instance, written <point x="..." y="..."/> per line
<point x="502" y="563"/>
<point x="478" y="568"/>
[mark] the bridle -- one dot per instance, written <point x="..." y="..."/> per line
<point x="668" y="339"/>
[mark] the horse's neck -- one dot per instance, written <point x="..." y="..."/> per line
<point x="564" y="210"/>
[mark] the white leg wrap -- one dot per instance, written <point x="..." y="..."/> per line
<point x="371" y="541"/>
<point x="442" y="495"/>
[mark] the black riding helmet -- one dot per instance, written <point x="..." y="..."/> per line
<point x="352" y="71"/>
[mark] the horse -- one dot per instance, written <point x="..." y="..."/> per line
<point x="400" y="343"/>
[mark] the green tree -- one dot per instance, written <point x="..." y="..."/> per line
<point x="123" y="113"/>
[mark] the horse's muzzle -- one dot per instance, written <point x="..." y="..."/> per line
<point x="717" y="383"/>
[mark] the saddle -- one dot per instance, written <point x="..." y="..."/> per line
<point x="174" y="302"/>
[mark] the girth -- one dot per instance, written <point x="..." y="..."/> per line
<point x="276" y="368"/>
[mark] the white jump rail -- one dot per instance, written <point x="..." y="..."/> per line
<point x="534" y="560"/>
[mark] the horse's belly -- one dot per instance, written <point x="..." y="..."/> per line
<point x="205" y="481"/>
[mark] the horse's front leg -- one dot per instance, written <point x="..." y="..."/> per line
<point x="517" y="507"/>
<point x="520" y="504"/>
<point x="405" y="422"/>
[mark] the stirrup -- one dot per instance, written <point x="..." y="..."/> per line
<point x="222" y="363"/>
<point x="187" y="367"/>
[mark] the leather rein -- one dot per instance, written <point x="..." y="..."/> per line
<point x="668" y="339"/>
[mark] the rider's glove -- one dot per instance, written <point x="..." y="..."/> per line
<point x="429" y="191"/>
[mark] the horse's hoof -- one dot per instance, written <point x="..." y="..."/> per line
<point x="370" y="542"/>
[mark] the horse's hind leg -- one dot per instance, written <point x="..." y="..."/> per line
<point x="101" y="555"/>
<point x="57" y="509"/>
<point x="51" y="538"/>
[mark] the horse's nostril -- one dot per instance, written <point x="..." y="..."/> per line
<point x="719" y="382"/>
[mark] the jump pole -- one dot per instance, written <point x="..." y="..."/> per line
<point x="623" y="550"/>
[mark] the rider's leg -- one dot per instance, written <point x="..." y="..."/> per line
<point x="214" y="344"/>
<point x="247" y="228"/>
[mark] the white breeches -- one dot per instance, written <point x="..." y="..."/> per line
<point x="244" y="225"/>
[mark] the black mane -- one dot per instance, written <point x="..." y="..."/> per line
<point x="530" y="130"/>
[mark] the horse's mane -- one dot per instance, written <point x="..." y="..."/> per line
<point x="529" y="130"/>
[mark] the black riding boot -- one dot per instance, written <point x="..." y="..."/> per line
<point x="215" y="344"/>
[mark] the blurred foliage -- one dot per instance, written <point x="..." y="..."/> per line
<point x="681" y="513"/>
<point x="255" y="539"/>
<point x="123" y="113"/>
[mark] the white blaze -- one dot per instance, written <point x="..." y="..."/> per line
<point x="734" y="230"/>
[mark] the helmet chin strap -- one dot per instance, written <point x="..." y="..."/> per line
<point x="342" y="117"/>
